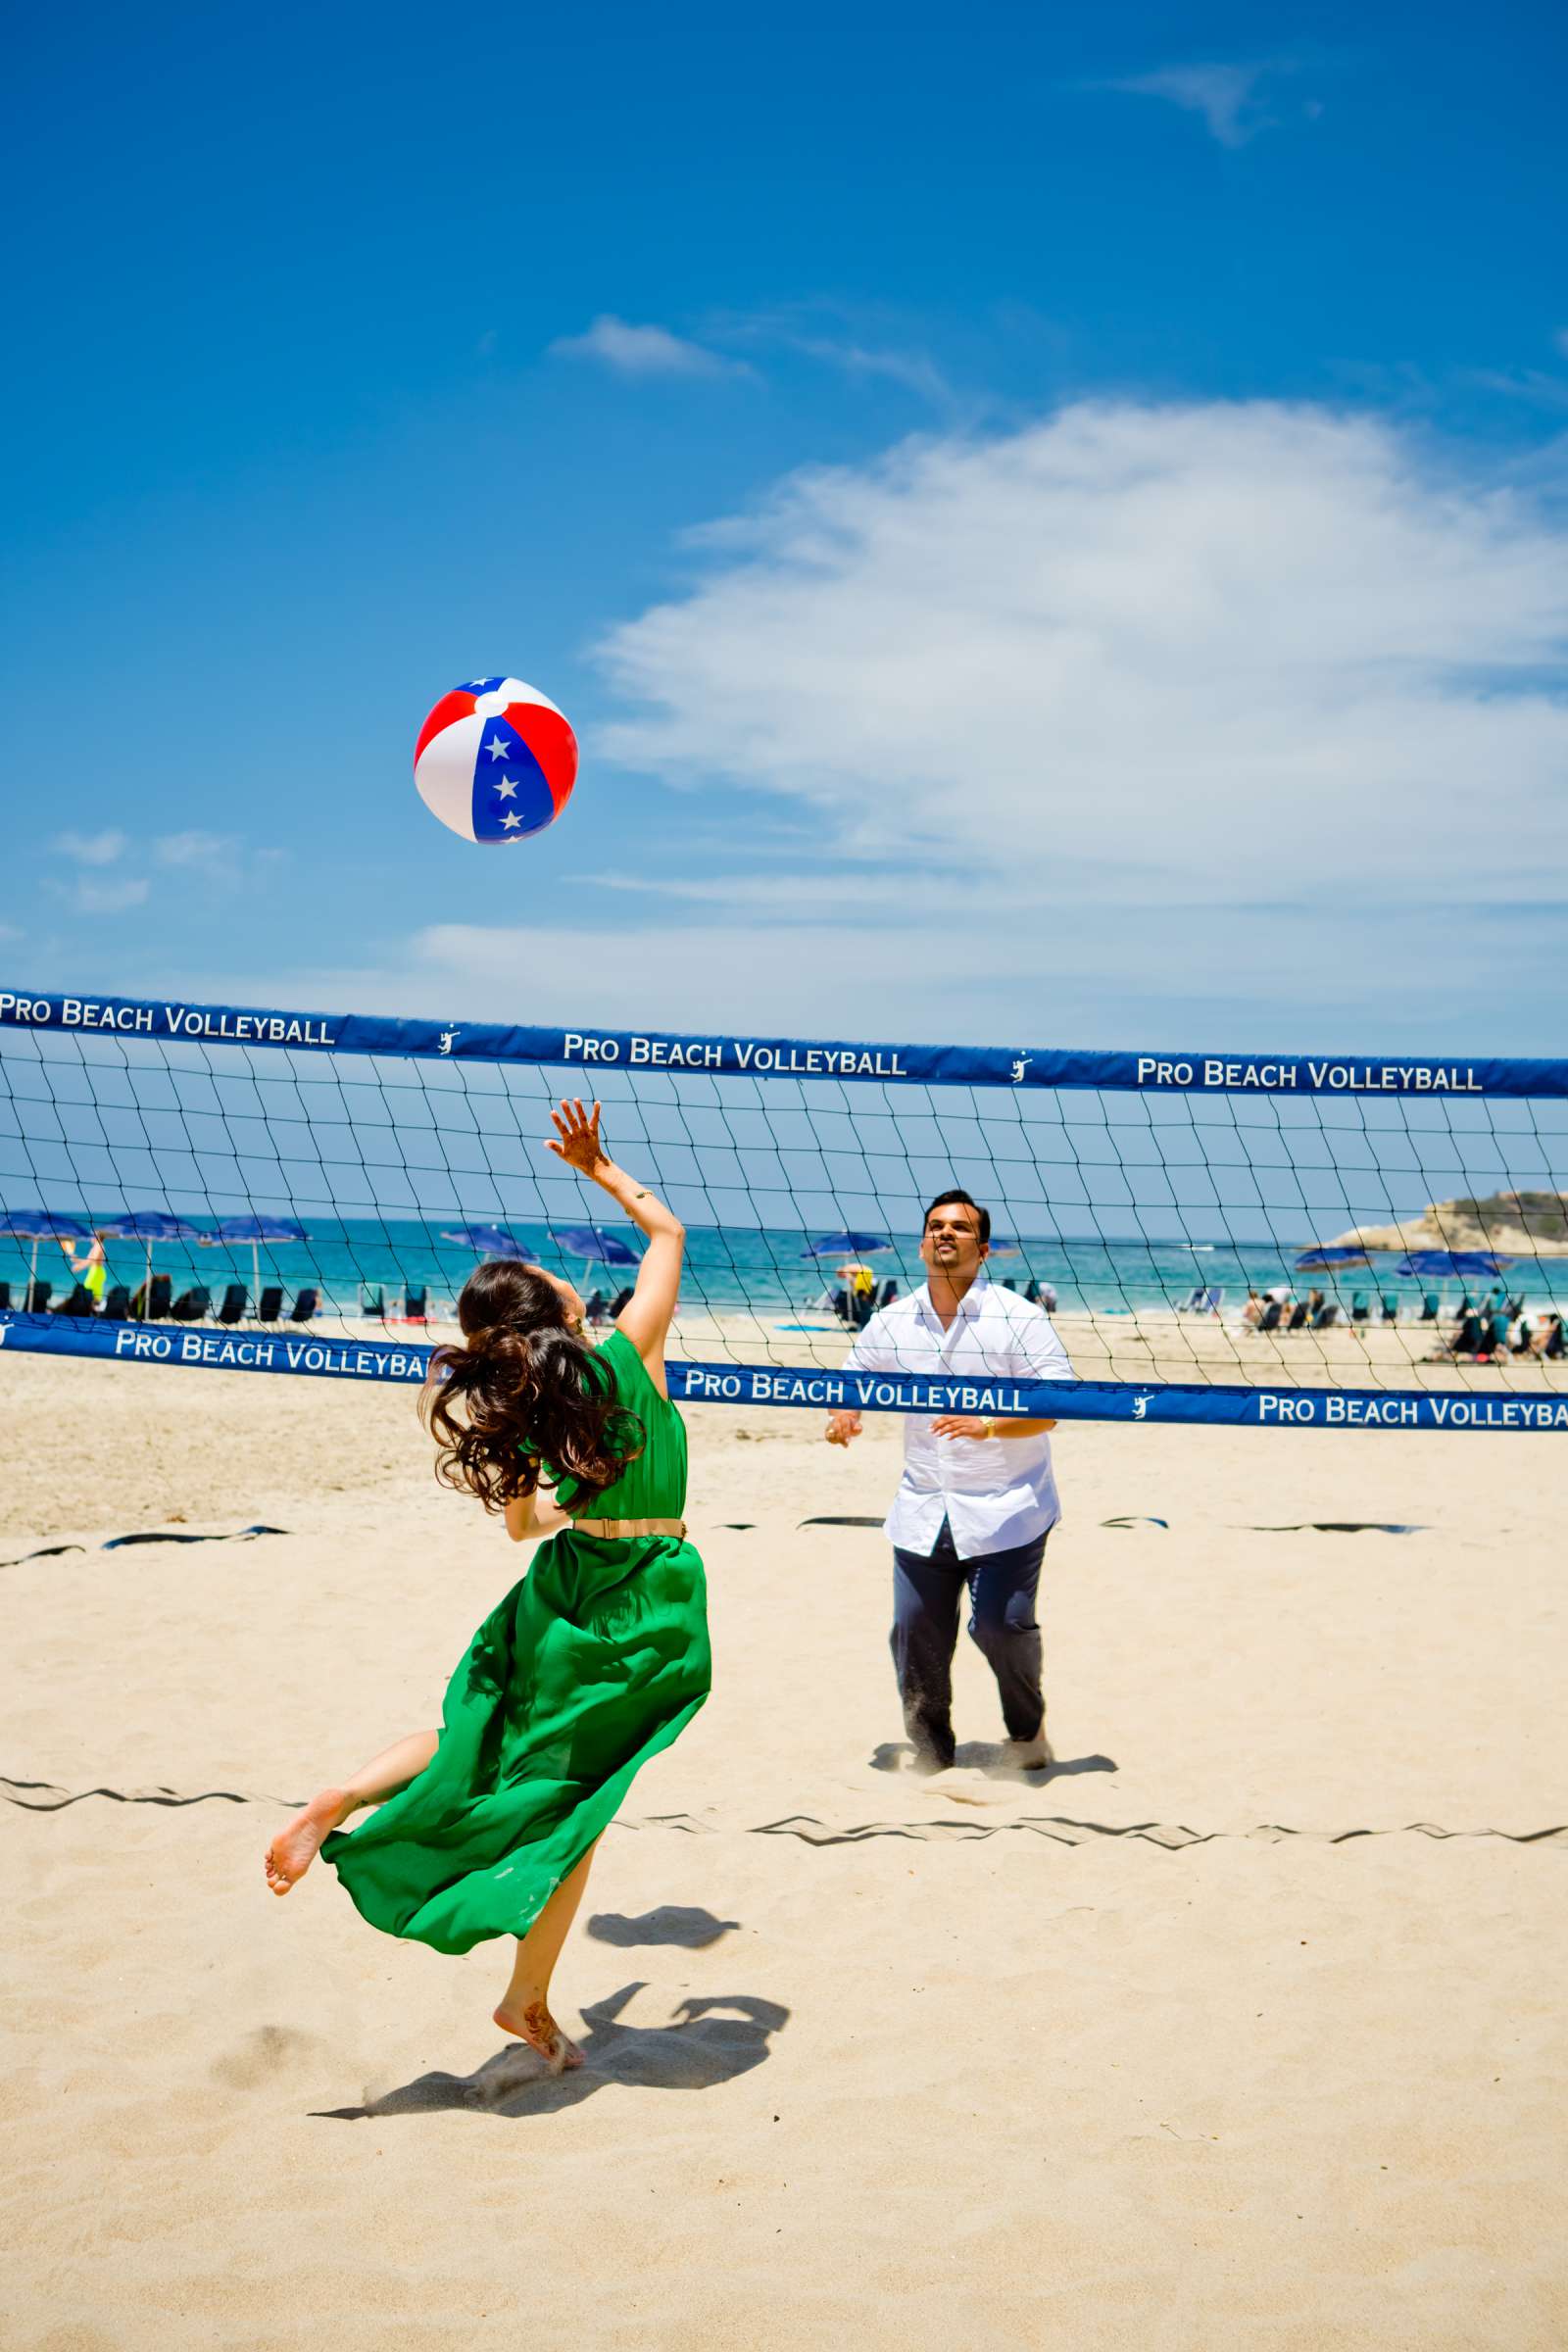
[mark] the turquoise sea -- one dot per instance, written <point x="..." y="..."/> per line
<point x="763" y="1270"/>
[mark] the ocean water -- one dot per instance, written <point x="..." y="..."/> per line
<point x="729" y="1269"/>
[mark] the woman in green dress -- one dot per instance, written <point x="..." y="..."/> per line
<point x="593" y="1663"/>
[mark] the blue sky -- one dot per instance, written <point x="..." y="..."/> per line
<point x="1048" y="526"/>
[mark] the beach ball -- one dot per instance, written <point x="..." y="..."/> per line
<point x="496" y="760"/>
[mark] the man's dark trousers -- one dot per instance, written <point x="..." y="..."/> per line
<point x="927" y="1587"/>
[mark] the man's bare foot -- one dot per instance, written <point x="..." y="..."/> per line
<point x="534" y="2023"/>
<point x="295" y="1848"/>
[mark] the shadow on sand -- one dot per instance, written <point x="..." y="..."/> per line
<point x="990" y="1757"/>
<point x="711" y="2040"/>
<point x="672" y="1923"/>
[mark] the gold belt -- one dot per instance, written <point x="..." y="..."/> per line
<point x="612" y="1531"/>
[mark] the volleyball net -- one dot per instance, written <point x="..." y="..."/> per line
<point x="1314" y="1241"/>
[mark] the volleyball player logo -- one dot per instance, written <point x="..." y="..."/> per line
<point x="496" y="760"/>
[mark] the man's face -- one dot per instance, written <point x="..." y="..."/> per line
<point x="951" y="1243"/>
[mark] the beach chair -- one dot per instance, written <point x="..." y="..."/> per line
<point x="232" y="1307"/>
<point x="5" y="1298"/>
<point x="1557" y="1346"/>
<point x="372" y="1302"/>
<point x="304" y="1306"/>
<point x="1391" y="1307"/>
<point x="79" y="1301"/>
<point x="1430" y="1306"/>
<point x="116" y="1307"/>
<point x="620" y="1301"/>
<point x="1193" y="1304"/>
<point x="1270" y="1317"/>
<point x="1359" y="1310"/>
<point x="416" y="1305"/>
<point x="269" y="1305"/>
<point x="1300" y="1313"/>
<point x="885" y="1296"/>
<point x="191" y="1304"/>
<point x="36" y="1299"/>
<point x="1327" y="1316"/>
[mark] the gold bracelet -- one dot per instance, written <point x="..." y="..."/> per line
<point x="991" y="1429"/>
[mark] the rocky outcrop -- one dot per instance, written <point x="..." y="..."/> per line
<point x="1513" y="1224"/>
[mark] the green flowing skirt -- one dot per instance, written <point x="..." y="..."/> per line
<point x="593" y="1663"/>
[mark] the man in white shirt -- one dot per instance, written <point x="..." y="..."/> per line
<point x="977" y="1498"/>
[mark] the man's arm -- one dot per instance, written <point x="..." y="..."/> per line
<point x="872" y="1351"/>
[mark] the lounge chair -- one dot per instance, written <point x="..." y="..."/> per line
<point x="37" y="1297"/>
<point x="1431" y="1305"/>
<point x="79" y="1301"/>
<point x="1301" y="1316"/>
<point x="154" y="1308"/>
<point x="372" y="1302"/>
<point x="416" y="1305"/>
<point x="620" y="1301"/>
<point x="191" y="1304"/>
<point x="1495" y="1335"/>
<point x="304" y="1306"/>
<point x="885" y="1296"/>
<point x="1360" y="1312"/>
<point x="269" y="1305"/>
<point x="1391" y="1307"/>
<point x="1557" y="1346"/>
<point x="1270" y="1318"/>
<point x="1327" y="1316"/>
<point x="234" y="1301"/>
<point x="116" y="1307"/>
<point x="1193" y="1304"/>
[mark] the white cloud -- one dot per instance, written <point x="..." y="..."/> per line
<point x="643" y="350"/>
<point x="913" y="369"/>
<point x="1224" y="95"/>
<point x="86" y="897"/>
<point x="92" y="849"/>
<point x="1138" y="657"/>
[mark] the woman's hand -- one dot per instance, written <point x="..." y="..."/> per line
<point x="580" y="1146"/>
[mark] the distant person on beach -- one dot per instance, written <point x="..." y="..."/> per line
<point x="91" y="1272"/>
<point x="977" y="1498"/>
<point x="593" y="1663"/>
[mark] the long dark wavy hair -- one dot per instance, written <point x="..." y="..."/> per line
<point x="522" y="1394"/>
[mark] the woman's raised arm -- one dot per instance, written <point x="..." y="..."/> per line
<point x="646" y="1319"/>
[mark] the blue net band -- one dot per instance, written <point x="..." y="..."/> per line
<point x="586" y="1052"/>
<point x="769" y="1385"/>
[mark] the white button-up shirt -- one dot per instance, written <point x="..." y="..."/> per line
<point x="995" y="1493"/>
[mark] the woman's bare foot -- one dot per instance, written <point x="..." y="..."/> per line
<point x="534" y="2023"/>
<point x="295" y="1848"/>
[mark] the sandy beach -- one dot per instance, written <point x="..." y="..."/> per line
<point x="1244" y="2029"/>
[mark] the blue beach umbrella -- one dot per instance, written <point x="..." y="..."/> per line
<point x="256" y="1230"/>
<point x="150" y="1225"/>
<point x="1335" y="1260"/>
<point x="486" y="1240"/>
<point x="37" y="1225"/>
<point x="596" y="1244"/>
<point x="1427" y="1263"/>
<point x="844" y="1245"/>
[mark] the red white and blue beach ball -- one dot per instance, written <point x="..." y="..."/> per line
<point x="496" y="760"/>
